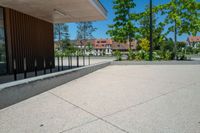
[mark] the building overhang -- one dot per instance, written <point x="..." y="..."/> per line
<point x="59" y="11"/>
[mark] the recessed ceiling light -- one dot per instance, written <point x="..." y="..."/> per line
<point x="59" y="12"/>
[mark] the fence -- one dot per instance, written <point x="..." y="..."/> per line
<point x="61" y="64"/>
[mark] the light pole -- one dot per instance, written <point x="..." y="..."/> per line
<point x="151" y="32"/>
<point x="175" y="39"/>
<point x="175" y="35"/>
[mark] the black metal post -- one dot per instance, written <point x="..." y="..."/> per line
<point x="35" y="64"/>
<point x="44" y="66"/>
<point x="77" y="60"/>
<point x="71" y="62"/>
<point x="151" y="32"/>
<point x="175" y="39"/>
<point x="68" y="62"/>
<point x="89" y="59"/>
<point x="15" y="69"/>
<point x="25" y="68"/>
<point x="62" y="63"/>
<point x="58" y="64"/>
<point x="83" y="60"/>
<point x="50" y="67"/>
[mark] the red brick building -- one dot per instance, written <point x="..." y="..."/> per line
<point x="193" y="41"/>
<point x="105" y="46"/>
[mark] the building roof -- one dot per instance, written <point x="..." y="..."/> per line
<point x="193" y="39"/>
<point x="124" y="46"/>
<point x="59" y="11"/>
<point x="102" y="43"/>
<point x="82" y="42"/>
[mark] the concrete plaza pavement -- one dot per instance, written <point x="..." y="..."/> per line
<point x="116" y="99"/>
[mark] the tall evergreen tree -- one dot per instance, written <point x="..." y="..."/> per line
<point x="123" y="29"/>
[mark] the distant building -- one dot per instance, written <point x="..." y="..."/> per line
<point x="83" y="44"/>
<point x="193" y="41"/>
<point x="103" y="47"/>
<point x="124" y="46"/>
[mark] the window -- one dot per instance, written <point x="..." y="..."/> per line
<point x="3" y="65"/>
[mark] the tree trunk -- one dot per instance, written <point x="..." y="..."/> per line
<point x="130" y="45"/>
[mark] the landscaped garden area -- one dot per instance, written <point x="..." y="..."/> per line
<point x="180" y="17"/>
<point x="164" y="52"/>
<point x="156" y="32"/>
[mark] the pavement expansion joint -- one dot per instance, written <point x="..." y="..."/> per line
<point x="149" y="100"/>
<point x="78" y="126"/>
<point x="98" y="118"/>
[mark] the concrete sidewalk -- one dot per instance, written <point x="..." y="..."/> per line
<point x="116" y="99"/>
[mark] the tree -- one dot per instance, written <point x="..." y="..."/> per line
<point x="84" y="33"/>
<point x="123" y="29"/>
<point x="185" y="16"/>
<point x="61" y="33"/>
<point x="85" y="30"/>
<point x="144" y="30"/>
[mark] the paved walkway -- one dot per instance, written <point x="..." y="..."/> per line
<point x="116" y="99"/>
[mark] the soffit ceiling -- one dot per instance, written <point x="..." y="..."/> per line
<point x="59" y="11"/>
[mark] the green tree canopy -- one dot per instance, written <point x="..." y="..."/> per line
<point x="186" y="15"/>
<point x="144" y="31"/>
<point x="123" y="29"/>
<point x="181" y="17"/>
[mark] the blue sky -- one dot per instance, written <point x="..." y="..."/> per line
<point x="102" y="26"/>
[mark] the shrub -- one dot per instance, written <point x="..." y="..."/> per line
<point x="138" y="56"/>
<point x="168" y="55"/>
<point x="189" y="50"/>
<point x="118" y="55"/>
<point x="180" y="46"/>
<point x="131" y="54"/>
<point x="157" y="56"/>
<point x="181" y="56"/>
<point x="146" y="56"/>
<point x="145" y="44"/>
<point x="167" y="45"/>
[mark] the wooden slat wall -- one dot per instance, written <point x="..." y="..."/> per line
<point x="28" y="37"/>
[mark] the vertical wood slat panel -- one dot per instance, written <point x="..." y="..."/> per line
<point x="31" y="38"/>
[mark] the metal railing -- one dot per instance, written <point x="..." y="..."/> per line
<point x="60" y="65"/>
